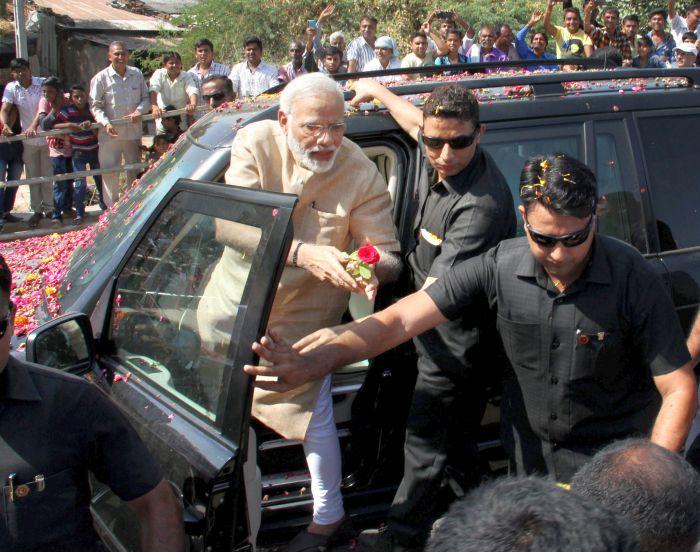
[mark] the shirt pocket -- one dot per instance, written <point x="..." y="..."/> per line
<point x="322" y="228"/>
<point x="521" y="341"/>
<point x="602" y="357"/>
<point x="51" y="515"/>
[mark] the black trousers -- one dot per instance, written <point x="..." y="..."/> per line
<point x="443" y="424"/>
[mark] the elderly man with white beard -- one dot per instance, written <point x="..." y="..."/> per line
<point x="343" y="204"/>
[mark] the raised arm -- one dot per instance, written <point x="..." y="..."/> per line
<point x="468" y="29"/>
<point x="588" y="17"/>
<point x="407" y="115"/>
<point x="550" y="29"/>
<point x="672" y="10"/>
<point x="439" y="42"/>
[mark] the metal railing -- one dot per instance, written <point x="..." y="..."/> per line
<point x="80" y="174"/>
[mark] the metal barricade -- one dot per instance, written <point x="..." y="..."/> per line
<point x="71" y="176"/>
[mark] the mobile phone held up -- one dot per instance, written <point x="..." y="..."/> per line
<point x="312" y="23"/>
<point x="444" y="15"/>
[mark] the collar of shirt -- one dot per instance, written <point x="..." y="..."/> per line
<point x="16" y="383"/>
<point x="113" y="73"/>
<point x="597" y="270"/>
<point x="262" y="67"/>
<point x="460" y="182"/>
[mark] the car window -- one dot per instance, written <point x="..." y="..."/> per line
<point x="163" y="323"/>
<point x="511" y="148"/>
<point x="619" y="211"/>
<point x="136" y="204"/>
<point x="671" y="151"/>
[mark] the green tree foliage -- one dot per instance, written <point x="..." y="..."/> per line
<point x="276" y="22"/>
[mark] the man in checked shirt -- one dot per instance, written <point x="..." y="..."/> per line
<point x="610" y="34"/>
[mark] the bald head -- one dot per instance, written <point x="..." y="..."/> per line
<point x="654" y="488"/>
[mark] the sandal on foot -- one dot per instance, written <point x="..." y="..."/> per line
<point x="313" y="542"/>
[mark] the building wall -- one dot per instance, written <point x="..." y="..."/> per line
<point x="80" y="59"/>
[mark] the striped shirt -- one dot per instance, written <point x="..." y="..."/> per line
<point x="287" y="73"/>
<point x="85" y="140"/>
<point x="215" y="68"/>
<point x="360" y="51"/>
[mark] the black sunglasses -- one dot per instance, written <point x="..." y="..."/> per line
<point x="567" y="240"/>
<point x="458" y="142"/>
<point x="5" y="321"/>
<point x="216" y="97"/>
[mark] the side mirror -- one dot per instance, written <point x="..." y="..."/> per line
<point x="64" y="343"/>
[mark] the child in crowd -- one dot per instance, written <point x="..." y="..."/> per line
<point x="172" y="125"/>
<point x="77" y="117"/>
<point x="60" y="150"/>
<point x="644" y="59"/>
<point x="453" y="57"/>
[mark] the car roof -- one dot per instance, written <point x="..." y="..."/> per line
<point x="503" y="96"/>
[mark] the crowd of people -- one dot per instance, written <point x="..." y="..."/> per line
<point x="445" y="38"/>
<point x="474" y="284"/>
<point x="119" y="91"/>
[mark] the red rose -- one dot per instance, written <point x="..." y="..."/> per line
<point x="368" y="254"/>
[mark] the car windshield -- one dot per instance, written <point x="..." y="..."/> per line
<point x="186" y="159"/>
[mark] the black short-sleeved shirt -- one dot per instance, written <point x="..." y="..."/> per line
<point x="582" y="361"/>
<point x="60" y="426"/>
<point x="459" y="217"/>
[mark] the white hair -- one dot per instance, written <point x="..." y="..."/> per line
<point x="306" y="86"/>
<point x="336" y="34"/>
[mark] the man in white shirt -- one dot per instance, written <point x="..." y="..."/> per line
<point x="170" y="85"/>
<point x="253" y="76"/>
<point x="680" y="25"/>
<point x="25" y="93"/>
<point x="116" y="92"/>
<point x="361" y="49"/>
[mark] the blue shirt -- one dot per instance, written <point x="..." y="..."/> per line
<point x="665" y="47"/>
<point x="525" y="52"/>
<point x="445" y="60"/>
<point x="652" y="63"/>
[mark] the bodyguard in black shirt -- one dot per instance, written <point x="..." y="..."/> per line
<point x="589" y="329"/>
<point x="464" y="208"/>
<point x="54" y="429"/>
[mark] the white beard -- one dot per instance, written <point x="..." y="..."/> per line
<point x="303" y="156"/>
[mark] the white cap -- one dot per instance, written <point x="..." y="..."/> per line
<point x="687" y="48"/>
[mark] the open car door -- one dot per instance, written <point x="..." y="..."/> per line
<point x="187" y="302"/>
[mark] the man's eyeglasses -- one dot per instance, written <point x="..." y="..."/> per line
<point x="5" y="320"/>
<point x="567" y="240"/>
<point x="316" y="130"/>
<point x="458" y="142"/>
<point x="216" y="97"/>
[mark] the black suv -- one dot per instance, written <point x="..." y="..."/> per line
<point x="138" y="287"/>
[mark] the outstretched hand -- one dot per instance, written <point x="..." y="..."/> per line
<point x="287" y="364"/>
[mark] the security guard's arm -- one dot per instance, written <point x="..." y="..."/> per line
<point x="407" y="115"/>
<point x="694" y="341"/>
<point x="160" y="516"/>
<point x="374" y="335"/>
<point x="678" y="391"/>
